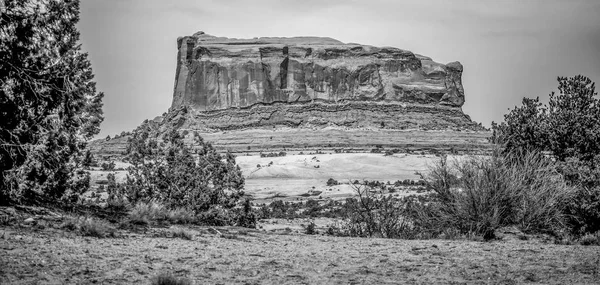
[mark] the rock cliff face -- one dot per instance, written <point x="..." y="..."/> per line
<point x="216" y="73"/>
<point x="229" y="84"/>
<point x="303" y="93"/>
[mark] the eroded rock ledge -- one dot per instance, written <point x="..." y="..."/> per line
<point x="215" y="73"/>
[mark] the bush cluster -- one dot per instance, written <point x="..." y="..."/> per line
<point x="273" y="154"/>
<point x="176" y="176"/>
<point x="544" y="178"/>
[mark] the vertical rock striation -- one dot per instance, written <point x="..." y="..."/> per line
<point x="237" y="83"/>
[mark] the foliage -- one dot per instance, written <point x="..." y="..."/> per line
<point x="310" y="229"/>
<point x="182" y="233"/>
<point x="151" y="212"/>
<point x="177" y="176"/>
<point x="482" y="194"/>
<point x="569" y="126"/>
<point x="88" y="160"/>
<point x="569" y="129"/>
<point x="49" y="105"/>
<point x="374" y="214"/>
<point x="273" y="154"/>
<point x="168" y="279"/>
<point x="88" y="226"/>
<point x="332" y="182"/>
<point x="583" y="211"/>
<point x="108" y="166"/>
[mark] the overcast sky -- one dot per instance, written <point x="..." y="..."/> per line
<point x="509" y="49"/>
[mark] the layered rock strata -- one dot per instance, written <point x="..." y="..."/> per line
<point x="239" y="83"/>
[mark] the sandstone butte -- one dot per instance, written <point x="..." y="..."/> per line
<point x="314" y="92"/>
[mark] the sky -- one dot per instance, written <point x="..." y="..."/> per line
<point x="510" y="49"/>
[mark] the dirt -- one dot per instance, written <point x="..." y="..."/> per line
<point x="227" y="255"/>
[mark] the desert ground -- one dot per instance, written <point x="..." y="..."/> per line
<point x="279" y="251"/>
<point x="36" y="254"/>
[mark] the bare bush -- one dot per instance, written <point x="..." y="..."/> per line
<point x="169" y="279"/>
<point x="482" y="194"/>
<point x="375" y="214"/>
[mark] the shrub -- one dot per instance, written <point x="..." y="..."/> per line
<point x="481" y="194"/>
<point x="332" y="182"/>
<point x="568" y="128"/>
<point x="310" y="229"/>
<point x="145" y="213"/>
<point x="88" y="226"/>
<point x="182" y="233"/>
<point x="590" y="239"/>
<point x="374" y="214"/>
<point x="168" y="279"/>
<point x="108" y="166"/>
<point x="196" y="179"/>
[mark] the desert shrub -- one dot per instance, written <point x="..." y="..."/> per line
<point x="310" y="229"/>
<point x="169" y="279"/>
<point x="568" y="128"/>
<point x="481" y="194"/>
<point x="182" y="233"/>
<point x="590" y="239"/>
<point x="88" y="160"/>
<point x="273" y="154"/>
<point x="374" y="214"/>
<point x="145" y="213"/>
<point x="196" y="179"/>
<point x="89" y="226"/>
<point x="332" y="182"/>
<point x="583" y="210"/>
<point x="247" y="217"/>
<point x="108" y="166"/>
<point x="280" y="209"/>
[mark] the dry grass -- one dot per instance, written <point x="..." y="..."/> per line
<point x="182" y="233"/>
<point x="89" y="226"/>
<point x="481" y="194"/>
<point x="168" y="279"/>
<point x="590" y="239"/>
<point x="145" y="213"/>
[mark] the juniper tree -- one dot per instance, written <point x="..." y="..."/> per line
<point x="49" y="106"/>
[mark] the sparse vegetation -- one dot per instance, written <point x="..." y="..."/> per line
<point x="89" y="226"/>
<point x="310" y="229"/>
<point x="375" y="214"/>
<point x="108" y="166"/>
<point x="145" y="213"/>
<point x="175" y="176"/>
<point x="169" y="279"/>
<point x="482" y="194"/>
<point x="182" y="233"/>
<point x="273" y="154"/>
<point x="568" y="129"/>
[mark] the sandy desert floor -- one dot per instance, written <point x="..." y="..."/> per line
<point x="288" y="177"/>
<point x="242" y="256"/>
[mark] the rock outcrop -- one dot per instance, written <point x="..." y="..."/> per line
<point x="215" y="73"/>
<point x="309" y="93"/>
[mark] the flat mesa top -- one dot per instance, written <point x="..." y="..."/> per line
<point x="203" y="39"/>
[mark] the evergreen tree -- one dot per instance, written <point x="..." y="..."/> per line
<point x="49" y="106"/>
<point x="568" y="127"/>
